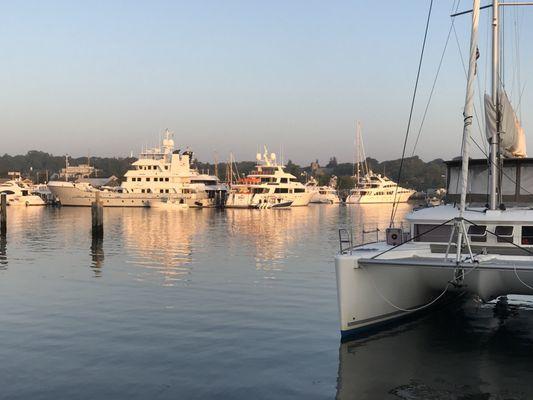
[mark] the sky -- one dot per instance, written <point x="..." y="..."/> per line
<point x="106" y="77"/>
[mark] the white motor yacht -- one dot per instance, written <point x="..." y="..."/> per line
<point x="268" y="183"/>
<point x="20" y="194"/>
<point x="323" y="194"/>
<point x="374" y="188"/>
<point x="159" y="173"/>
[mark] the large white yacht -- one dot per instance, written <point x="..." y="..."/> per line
<point x="371" y="187"/>
<point x="377" y="188"/>
<point x="485" y="250"/>
<point x="160" y="174"/>
<point x="323" y="194"/>
<point x="19" y="193"/>
<point x="268" y="183"/>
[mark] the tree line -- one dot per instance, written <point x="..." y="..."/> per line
<point x="416" y="173"/>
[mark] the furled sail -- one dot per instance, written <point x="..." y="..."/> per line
<point x="512" y="138"/>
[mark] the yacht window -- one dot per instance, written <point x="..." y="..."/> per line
<point x="166" y="166"/>
<point x="142" y="190"/>
<point x="477" y="233"/>
<point x="160" y="190"/>
<point x="166" y="179"/>
<point x="440" y="234"/>
<point x="148" y="190"/>
<point x="294" y="180"/>
<point x="147" y="179"/>
<point x="299" y="190"/>
<point x="284" y="180"/>
<point x="166" y="191"/>
<point x="504" y="233"/>
<point x="527" y="235"/>
<point x="281" y="190"/>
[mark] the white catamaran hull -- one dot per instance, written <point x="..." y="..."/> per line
<point x="374" y="292"/>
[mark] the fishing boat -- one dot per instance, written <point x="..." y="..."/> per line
<point x="478" y="244"/>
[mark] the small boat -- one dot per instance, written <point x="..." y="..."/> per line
<point x="20" y="194"/>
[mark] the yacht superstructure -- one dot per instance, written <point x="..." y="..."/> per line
<point x="268" y="183"/>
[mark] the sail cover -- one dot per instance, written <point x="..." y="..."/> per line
<point x="512" y="138"/>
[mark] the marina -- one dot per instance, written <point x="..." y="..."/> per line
<point x="257" y="248"/>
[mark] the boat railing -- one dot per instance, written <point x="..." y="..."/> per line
<point x="345" y="240"/>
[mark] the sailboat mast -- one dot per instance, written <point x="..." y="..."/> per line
<point x="494" y="142"/>
<point x="469" y="104"/>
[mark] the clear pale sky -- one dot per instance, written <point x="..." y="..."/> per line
<point x="106" y="76"/>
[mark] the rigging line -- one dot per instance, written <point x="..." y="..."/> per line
<point x="435" y="81"/>
<point x="411" y="112"/>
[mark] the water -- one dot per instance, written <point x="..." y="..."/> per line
<point x="234" y="304"/>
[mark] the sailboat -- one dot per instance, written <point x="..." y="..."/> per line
<point x="371" y="187"/>
<point x="464" y="248"/>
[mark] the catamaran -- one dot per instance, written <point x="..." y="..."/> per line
<point x="480" y="243"/>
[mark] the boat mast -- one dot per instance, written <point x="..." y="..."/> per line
<point x="494" y="140"/>
<point x="467" y="128"/>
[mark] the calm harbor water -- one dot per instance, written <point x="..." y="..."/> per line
<point x="233" y="304"/>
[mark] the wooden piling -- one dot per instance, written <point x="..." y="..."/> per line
<point x="3" y="214"/>
<point x="97" y="217"/>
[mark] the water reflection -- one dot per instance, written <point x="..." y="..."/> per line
<point x="97" y="256"/>
<point x="3" y="252"/>
<point x="454" y="354"/>
<point x="369" y="221"/>
<point x="271" y="236"/>
<point x="161" y="240"/>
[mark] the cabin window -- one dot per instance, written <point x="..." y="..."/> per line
<point x="433" y="233"/>
<point x="284" y="180"/>
<point x="147" y="179"/>
<point x="281" y="190"/>
<point x="477" y="233"/>
<point x="504" y="234"/>
<point x="527" y="235"/>
<point x="142" y="190"/>
<point x="166" y="179"/>
<point x="166" y="191"/>
<point x="166" y="166"/>
<point x="160" y="190"/>
<point x="299" y="190"/>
